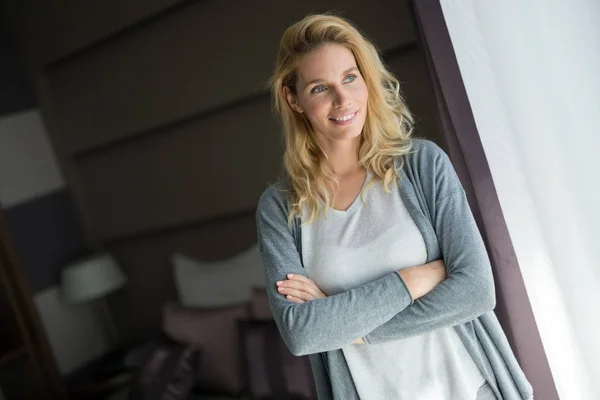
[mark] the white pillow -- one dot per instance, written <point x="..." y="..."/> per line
<point x="217" y="283"/>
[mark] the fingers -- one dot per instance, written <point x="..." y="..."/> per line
<point x="303" y="283"/>
<point x="300" y="287"/>
<point x="300" y="278"/>
<point x="307" y="284"/>
<point x="303" y="286"/>
<point x="289" y="284"/>
<point x="295" y="299"/>
<point x="299" y="294"/>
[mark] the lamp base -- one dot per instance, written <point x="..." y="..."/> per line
<point x="105" y="319"/>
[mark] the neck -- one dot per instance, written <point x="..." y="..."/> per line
<point x="342" y="155"/>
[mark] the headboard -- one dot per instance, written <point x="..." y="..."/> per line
<point x="147" y="262"/>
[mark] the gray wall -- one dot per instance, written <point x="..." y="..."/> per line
<point x="161" y="126"/>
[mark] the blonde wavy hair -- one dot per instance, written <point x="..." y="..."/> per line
<point x="388" y="124"/>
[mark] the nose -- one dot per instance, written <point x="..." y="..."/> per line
<point x="340" y="97"/>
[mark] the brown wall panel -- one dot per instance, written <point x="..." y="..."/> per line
<point x="87" y="22"/>
<point x="208" y="54"/>
<point x="52" y="29"/>
<point x="411" y="70"/>
<point x="215" y="166"/>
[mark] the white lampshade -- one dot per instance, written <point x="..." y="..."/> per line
<point x="91" y="278"/>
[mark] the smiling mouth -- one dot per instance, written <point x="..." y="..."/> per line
<point x="345" y="118"/>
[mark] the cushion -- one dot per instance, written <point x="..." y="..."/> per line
<point x="168" y="372"/>
<point x="271" y="370"/>
<point x="137" y="355"/>
<point x="259" y="304"/>
<point x="215" y="332"/>
<point x="217" y="283"/>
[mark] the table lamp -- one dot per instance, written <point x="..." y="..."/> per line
<point x="91" y="279"/>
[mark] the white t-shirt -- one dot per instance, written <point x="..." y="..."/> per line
<point x="349" y="248"/>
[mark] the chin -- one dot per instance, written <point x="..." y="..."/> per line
<point x="346" y="137"/>
<point x="348" y="132"/>
<point x="351" y="135"/>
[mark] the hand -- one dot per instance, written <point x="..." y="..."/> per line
<point x="423" y="278"/>
<point x="359" y="341"/>
<point x="299" y="289"/>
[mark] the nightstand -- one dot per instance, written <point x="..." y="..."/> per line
<point x="103" y="377"/>
<point x="101" y="389"/>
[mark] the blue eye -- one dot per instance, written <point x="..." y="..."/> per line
<point x="351" y="78"/>
<point x="318" y="89"/>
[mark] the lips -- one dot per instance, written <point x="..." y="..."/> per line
<point x="344" y="119"/>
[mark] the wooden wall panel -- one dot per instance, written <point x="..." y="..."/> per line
<point x="52" y="29"/>
<point x="211" y="167"/>
<point x="411" y="70"/>
<point x="206" y="55"/>
<point x="88" y="22"/>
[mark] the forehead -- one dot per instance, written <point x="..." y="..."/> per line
<point x="327" y="63"/>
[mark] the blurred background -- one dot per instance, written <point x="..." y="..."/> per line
<point x="144" y="129"/>
<point x="135" y="140"/>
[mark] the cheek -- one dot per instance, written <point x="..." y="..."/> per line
<point x="362" y="94"/>
<point x="317" y="110"/>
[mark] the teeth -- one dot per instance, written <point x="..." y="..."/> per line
<point x="346" y="118"/>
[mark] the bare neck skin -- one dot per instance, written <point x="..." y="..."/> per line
<point x="342" y="155"/>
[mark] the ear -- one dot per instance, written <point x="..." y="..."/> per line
<point x="292" y="100"/>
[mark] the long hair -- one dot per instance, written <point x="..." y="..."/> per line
<point x="388" y="124"/>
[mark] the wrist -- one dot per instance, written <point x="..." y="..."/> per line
<point x="407" y="274"/>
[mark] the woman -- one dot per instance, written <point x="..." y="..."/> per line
<point x="354" y="239"/>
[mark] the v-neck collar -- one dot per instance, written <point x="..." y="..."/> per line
<point x="357" y="201"/>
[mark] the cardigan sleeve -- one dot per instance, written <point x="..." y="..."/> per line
<point x="468" y="290"/>
<point x="322" y="324"/>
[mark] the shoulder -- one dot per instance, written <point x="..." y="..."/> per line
<point x="426" y="145"/>
<point x="424" y="157"/>
<point x="426" y="152"/>
<point x="274" y="198"/>
<point x="272" y="212"/>
<point x="428" y="166"/>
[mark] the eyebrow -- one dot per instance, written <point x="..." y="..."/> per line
<point x="351" y="69"/>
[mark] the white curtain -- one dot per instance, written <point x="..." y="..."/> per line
<point x="532" y="74"/>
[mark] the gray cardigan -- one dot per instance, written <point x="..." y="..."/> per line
<point x="383" y="310"/>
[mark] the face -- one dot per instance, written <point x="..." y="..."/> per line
<point x="331" y="92"/>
